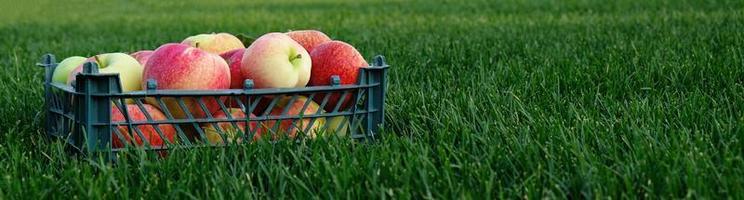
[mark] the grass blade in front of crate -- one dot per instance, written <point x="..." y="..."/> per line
<point x="96" y="116"/>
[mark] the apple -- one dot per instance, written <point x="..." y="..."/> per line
<point x="148" y="131"/>
<point x="294" y="109"/>
<point x="335" y="58"/>
<point x="261" y="103"/>
<point x="234" y="58"/>
<point x="274" y="60"/>
<point x="309" y="39"/>
<point x="142" y="56"/>
<point x="338" y="125"/>
<point x="216" y="43"/>
<point x="182" y="67"/>
<point x="129" y="70"/>
<point x="229" y="129"/>
<point x="64" y="68"/>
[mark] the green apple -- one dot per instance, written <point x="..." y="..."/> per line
<point x="64" y="68"/>
<point x="275" y="60"/>
<point x="338" y="125"/>
<point x="128" y="68"/>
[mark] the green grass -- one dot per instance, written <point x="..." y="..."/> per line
<point x="487" y="99"/>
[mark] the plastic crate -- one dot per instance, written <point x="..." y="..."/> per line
<point x="82" y="115"/>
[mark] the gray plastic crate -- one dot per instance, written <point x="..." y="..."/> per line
<point x="82" y="115"/>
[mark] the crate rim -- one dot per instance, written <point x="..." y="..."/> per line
<point x="48" y="60"/>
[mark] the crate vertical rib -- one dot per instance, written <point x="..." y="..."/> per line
<point x="375" y="97"/>
<point x="49" y="64"/>
<point x="247" y="109"/>
<point x="93" y="108"/>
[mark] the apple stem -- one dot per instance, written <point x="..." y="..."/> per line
<point x="298" y="56"/>
<point x="98" y="60"/>
<point x="196" y="44"/>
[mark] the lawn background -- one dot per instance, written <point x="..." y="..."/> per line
<point x="486" y="99"/>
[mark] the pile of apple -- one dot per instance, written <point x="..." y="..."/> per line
<point x="221" y="61"/>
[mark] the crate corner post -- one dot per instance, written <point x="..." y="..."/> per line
<point x="49" y="63"/>
<point x="93" y="110"/>
<point x="377" y="80"/>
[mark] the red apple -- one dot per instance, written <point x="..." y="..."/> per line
<point x="234" y="58"/>
<point x="294" y="109"/>
<point x="142" y="56"/>
<point x="229" y="129"/>
<point x="182" y="67"/>
<point x="148" y="131"/>
<point x="274" y="60"/>
<point x="335" y="58"/>
<point x="309" y="39"/>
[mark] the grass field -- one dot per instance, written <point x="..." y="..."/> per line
<point x="487" y="99"/>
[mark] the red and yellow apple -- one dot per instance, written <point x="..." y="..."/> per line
<point x="129" y="70"/>
<point x="228" y="128"/>
<point x="234" y="58"/>
<point x="142" y="56"/>
<point x="182" y="67"/>
<point x="261" y="103"/>
<point x="294" y="109"/>
<point x="335" y="58"/>
<point x="216" y="43"/>
<point x="148" y="131"/>
<point x="309" y="39"/>
<point x="274" y="60"/>
<point x="338" y="125"/>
